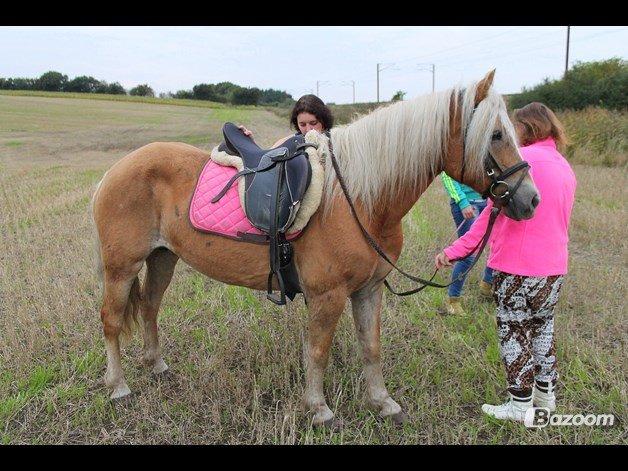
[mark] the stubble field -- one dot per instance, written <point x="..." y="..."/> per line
<point x="235" y="357"/>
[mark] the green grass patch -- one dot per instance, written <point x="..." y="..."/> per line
<point x="235" y="115"/>
<point x="9" y="406"/>
<point x="13" y="143"/>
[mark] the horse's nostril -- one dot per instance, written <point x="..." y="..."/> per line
<point x="535" y="201"/>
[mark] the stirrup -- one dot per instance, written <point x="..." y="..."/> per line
<point x="280" y="299"/>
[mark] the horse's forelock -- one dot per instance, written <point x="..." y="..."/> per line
<point x="479" y="122"/>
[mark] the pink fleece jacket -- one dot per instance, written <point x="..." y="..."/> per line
<point x="537" y="246"/>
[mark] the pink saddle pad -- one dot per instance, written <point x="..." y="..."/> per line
<point x="226" y="217"/>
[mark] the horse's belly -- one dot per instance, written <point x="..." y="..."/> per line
<point x="222" y="259"/>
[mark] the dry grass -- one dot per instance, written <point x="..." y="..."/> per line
<point x="236" y="358"/>
<point x="598" y="136"/>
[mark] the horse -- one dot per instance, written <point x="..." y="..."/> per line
<point x="388" y="158"/>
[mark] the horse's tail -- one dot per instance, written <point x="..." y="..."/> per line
<point x="96" y="237"/>
<point x="130" y="322"/>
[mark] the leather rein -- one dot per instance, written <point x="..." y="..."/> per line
<point x="504" y="199"/>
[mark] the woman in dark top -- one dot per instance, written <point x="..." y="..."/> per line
<point x="308" y="113"/>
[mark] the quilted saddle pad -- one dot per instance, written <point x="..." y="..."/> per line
<point x="226" y="217"/>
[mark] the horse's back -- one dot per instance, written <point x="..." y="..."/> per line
<point x="157" y="161"/>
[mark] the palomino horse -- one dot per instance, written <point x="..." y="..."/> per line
<point x="388" y="158"/>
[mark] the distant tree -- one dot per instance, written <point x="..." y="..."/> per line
<point x="52" y="81"/>
<point x="184" y="94"/>
<point x="246" y="96"/>
<point x="398" y="96"/>
<point x="204" y="91"/>
<point x="115" y="89"/>
<point x="224" y="91"/>
<point x="142" y="90"/>
<point x="274" y="97"/>
<point x="101" y="87"/>
<point x="83" y="84"/>
<point x="19" y="83"/>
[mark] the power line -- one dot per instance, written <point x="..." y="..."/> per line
<point x="464" y="56"/>
<point x="353" y="86"/>
<point x="452" y="61"/>
<point x="480" y="40"/>
<point x="433" y="70"/>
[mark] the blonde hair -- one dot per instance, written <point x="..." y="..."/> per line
<point x="537" y="122"/>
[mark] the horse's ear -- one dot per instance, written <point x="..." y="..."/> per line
<point x="483" y="87"/>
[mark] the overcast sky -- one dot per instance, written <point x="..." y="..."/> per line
<point x="295" y="58"/>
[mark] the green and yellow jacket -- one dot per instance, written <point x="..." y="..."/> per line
<point x="459" y="192"/>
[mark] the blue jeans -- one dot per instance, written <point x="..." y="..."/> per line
<point x="455" y="289"/>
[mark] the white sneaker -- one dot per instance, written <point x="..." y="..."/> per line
<point x="514" y="409"/>
<point x="544" y="396"/>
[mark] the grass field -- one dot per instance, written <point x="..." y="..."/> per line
<point x="236" y="358"/>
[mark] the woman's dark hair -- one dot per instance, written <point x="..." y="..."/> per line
<point x="537" y="122"/>
<point x="314" y="105"/>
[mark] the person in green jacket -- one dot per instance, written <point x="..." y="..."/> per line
<point x="466" y="205"/>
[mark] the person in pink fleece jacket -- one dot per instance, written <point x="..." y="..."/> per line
<point x="529" y="259"/>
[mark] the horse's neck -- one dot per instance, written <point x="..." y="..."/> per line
<point x="390" y="210"/>
<point x="386" y="218"/>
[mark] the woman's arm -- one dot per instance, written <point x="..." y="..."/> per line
<point x="465" y="244"/>
<point x="456" y="193"/>
<point x="454" y="190"/>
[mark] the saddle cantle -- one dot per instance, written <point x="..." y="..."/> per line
<point x="276" y="181"/>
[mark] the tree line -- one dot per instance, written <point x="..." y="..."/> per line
<point x="601" y="83"/>
<point x="227" y="92"/>
<point x="223" y="92"/>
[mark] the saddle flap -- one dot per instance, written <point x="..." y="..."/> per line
<point x="260" y="186"/>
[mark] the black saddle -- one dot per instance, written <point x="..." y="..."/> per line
<point x="275" y="181"/>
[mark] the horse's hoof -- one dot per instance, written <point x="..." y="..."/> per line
<point x="166" y="375"/>
<point x="333" y="425"/>
<point x="123" y="401"/>
<point x="160" y="367"/>
<point x="399" y="418"/>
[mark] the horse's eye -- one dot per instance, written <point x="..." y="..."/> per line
<point x="497" y="136"/>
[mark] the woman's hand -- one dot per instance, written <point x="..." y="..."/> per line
<point x="442" y="261"/>
<point x="468" y="212"/>
<point x="245" y="131"/>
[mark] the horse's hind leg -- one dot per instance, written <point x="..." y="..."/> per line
<point x="120" y="304"/>
<point x="366" y="305"/>
<point x="159" y="270"/>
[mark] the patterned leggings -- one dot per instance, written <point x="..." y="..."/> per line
<point x="525" y="322"/>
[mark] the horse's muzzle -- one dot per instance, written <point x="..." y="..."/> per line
<point x="524" y="203"/>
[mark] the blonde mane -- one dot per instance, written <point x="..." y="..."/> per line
<point x="403" y="146"/>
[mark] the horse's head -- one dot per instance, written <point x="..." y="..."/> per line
<point x="483" y="151"/>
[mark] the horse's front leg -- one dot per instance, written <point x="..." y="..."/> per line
<point x="366" y="304"/>
<point x="324" y="312"/>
